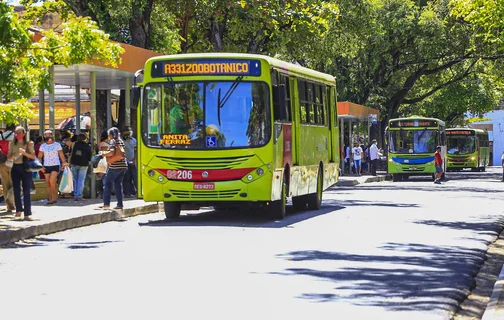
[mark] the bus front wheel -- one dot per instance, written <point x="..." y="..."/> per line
<point x="277" y="209"/>
<point x="172" y="210"/>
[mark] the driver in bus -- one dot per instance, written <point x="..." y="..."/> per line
<point x="179" y="119"/>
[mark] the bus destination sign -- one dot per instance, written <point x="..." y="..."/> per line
<point x="206" y="67"/>
<point x="459" y="133"/>
<point x="413" y="123"/>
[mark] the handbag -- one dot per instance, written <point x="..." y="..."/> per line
<point x="118" y="155"/>
<point x="32" y="165"/>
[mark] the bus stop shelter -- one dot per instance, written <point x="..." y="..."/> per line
<point x="356" y="122"/>
<point x="93" y="76"/>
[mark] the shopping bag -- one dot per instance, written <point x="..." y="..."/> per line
<point x="101" y="167"/>
<point x="66" y="183"/>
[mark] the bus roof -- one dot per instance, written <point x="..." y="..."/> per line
<point x="440" y="122"/>
<point x="289" y="68"/>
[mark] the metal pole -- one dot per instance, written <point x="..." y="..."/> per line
<point x="41" y="113"/>
<point x="350" y="143"/>
<point x="342" y="139"/>
<point x="93" y="135"/>
<point x="51" y="98"/>
<point x="77" y="110"/>
<point x="109" y="110"/>
<point x="368" y="143"/>
<point x="127" y="101"/>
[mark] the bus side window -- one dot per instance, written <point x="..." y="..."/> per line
<point x="303" y="103"/>
<point x="285" y="81"/>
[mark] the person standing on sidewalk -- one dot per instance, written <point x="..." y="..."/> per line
<point x="5" y="170"/>
<point x="80" y="155"/>
<point x="19" y="149"/>
<point x="374" y="155"/>
<point x="130" y="178"/>
<point x="357" y="158"/>
<point x="438" y="162"/>
<point x="52" y="154"/>
<point x="116" y="158"/>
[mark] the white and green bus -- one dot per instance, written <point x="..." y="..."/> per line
<point x="412" y="143"/>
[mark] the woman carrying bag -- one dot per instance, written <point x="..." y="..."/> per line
<point x="52" y="154"/>
<point x="20" y="151"/>
<point x="116" y="159"/>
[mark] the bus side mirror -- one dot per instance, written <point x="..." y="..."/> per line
<point x="280" y="102"/>
<point x="135" y="96"/>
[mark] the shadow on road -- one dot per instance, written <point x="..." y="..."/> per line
<point x="242" y="218"/>
<point x="412" y="277"/>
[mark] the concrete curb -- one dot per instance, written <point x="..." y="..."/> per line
<point x="10" y="236"/>
<point x="495" y="307"/>
<point x="352" y="183"/>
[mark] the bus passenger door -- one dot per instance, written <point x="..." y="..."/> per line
<point x="333" y="124"/>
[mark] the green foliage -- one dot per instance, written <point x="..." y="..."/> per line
<point x="24" y="69"/>
<point x="486" y="15"/>
<point x="13" y="111"/>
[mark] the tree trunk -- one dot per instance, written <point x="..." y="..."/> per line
<point x="215" y="34"/>
<point x="140" y="22"/>
<point x="101" y="112"/>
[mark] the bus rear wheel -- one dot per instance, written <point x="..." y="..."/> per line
<point x="172" y="210"/>
<point x="278" y="208"/>
<point x="315" y="199"/>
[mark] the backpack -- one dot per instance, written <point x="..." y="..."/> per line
<point x="4" y="147"/>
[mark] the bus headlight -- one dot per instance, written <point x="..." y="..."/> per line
<point x="473" y="158"/>
<point x="160" y="178"/>
<point x="250" y="177"/>
<point x="151" y="173"/>
<point x="260" y="171"/>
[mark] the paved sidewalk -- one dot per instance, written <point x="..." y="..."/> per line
<point x="495" y="307"/>
<point x="349" y="181"/>
<point x="64" y="215"/>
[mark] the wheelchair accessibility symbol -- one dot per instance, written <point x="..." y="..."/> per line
<point x="211" y="141"/>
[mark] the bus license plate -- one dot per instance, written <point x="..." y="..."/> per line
<point x="204" y="186"/>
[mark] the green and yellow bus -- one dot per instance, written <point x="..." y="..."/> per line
<point x="467" y="148"/>
<point x="412" y="143"/>
<point x="229" y="130"/>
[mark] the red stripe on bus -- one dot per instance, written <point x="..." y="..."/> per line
<point x="212" y="175"/>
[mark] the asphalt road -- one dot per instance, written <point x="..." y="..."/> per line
<point x="403" y="250"/>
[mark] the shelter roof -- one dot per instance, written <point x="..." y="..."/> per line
<point x="107" y="77"/>
<point x="356" y="111"/>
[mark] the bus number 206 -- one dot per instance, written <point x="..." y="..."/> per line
<point x="179" y="174"/>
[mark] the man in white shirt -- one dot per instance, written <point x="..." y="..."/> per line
<point x="374" y="155"/>
<point x="357" y="158"/>
<point x="5" y="171"/>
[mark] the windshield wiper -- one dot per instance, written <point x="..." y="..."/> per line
<point x="227" y="95"/>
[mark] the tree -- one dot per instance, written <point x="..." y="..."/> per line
<point x="24" y="69"/>
<point x="402" y="53"/>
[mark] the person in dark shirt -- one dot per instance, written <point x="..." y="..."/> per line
<point x="79" y="159"/>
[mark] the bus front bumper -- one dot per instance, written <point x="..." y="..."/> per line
<point x="411" y="169"/>
<point x="258" y="189"/>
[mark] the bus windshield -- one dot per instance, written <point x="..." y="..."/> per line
<point x="461" y="145"/>
<point x="206" y="115"/>
<point x="413" y="141"/>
